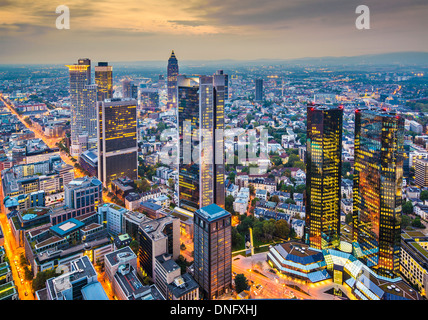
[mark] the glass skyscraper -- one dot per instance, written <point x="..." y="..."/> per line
<point x="200" y="116"/>
<point x="172" y="74"/>
<point x="117" y="140"/>
<point x="213" y="250"/>
<point x="323" y="176"/>
<point x="259" y="90"/>
<point x="377" y="196"/>
<point x="83" y="107"/>
<point x="104" y="81"/>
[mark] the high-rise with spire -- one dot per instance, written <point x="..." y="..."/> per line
<point x="172" y="75"/>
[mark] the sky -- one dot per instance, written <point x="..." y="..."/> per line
<point x="147" y="30"/>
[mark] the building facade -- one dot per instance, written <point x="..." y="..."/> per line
<point x="377" y="194"/>
<point x="172" y="74"/>
<point x="117" y="140"/>
<point x="213" y="250"/>
<point x="104" y="81"/>
<point x="200" y="116"/>
<point x="323" y="180"/>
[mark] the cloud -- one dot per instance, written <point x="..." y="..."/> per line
<point x="190" y="23"/>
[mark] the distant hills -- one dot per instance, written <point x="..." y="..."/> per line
<point x="395" y="58"/>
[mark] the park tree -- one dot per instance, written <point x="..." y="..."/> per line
<point x="241" y="283"/>
<point x="408" y="207"/>
<point x="424" y="195"/>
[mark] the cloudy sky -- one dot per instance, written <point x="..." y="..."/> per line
<point x="138" y="30"/>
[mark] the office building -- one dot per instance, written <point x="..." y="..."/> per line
<point x="83" y="107"/>
<point x="226" y="83"/>
<point x="148" y="100"/>
<point x="421" y="172"/>
<point x="112" y="215"/>
<point x="259" y="90"/>
<point x="200" y="116"/>
<point x="117" y="143"/>
<point x="323" y="176"/>
<point x="377" y="195"/>
<point x="212" y="250"/>
<point x="172" y="74"/>
<point x="414" y="260"/>
<point x="104" y="81"/>
<point x="80" y="283"/>
<point x="171" y="283"/>
<point x="157" y="237"/>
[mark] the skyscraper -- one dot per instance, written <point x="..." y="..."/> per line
<point x="259" y="90"/>
<point x="104" y="81"/>
<point x="226" y="83"/>
<point x="172" y="74"/>
<point x="323" y="175"/>
<point x="377" y="199"/>
<point x="83" y="111"/>
<point x="213" y="250"/>
<point x="117" y="140"/>
<point x="200" y="116"/>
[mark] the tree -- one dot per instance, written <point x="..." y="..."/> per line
<point x="274" y="198"/>
<point x="228" y="204"/>
<point x="268" y="229"/>
<point x="39" y="282"/>
<point x="424" y="195"/>
<point x="417" y="223"/>
<point x="241" y="283"/>
<point x="282" y="229"/>
<point x="405" y="221"/>
<point x="408" y="207"/>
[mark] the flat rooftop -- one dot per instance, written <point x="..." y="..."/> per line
<point x="212" y="212"/>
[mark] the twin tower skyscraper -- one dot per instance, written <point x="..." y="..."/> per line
<point x="378" y="174"/>
<point x="98" y="121"/>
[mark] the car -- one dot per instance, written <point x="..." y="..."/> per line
<point x="26" y="293"/>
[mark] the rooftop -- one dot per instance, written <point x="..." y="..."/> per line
<point x="212" y="212"/>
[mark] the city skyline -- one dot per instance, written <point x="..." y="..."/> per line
<point x="291" y="29"/>
<point x="239" y="151"/>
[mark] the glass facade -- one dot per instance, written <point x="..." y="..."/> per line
<point x="200" y="115"/>
<point x="172" y="74"/>
<point x="117" y="146"/>
<point x="377" y="196"/>
<point x="82" y="101"/>
<point x="213" y="251"/>
<point x="323" y="176"/>
<point x="104" y="81"/>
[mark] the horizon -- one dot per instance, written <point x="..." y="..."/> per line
<point x="184" y="61"/>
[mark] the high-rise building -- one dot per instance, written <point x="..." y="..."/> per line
<point x="172" y="74"/>
<point x="213" y="250"/>
<point x="421" y="172"/>
<point x="323" y="175"/>
<point x="200" y="116"/>
<point x="226" y="83"/>
<point x="126" y="88"/>
<point x="259" y="90"/>
<point x="117" y="140"/>
<point x="157" y="237"/>
<point x="104" y="81"/>
<point x="377" y="195"/>
<point x="83" y="109"/>
<point x="148" y="100"/>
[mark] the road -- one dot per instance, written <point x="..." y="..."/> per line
<point x="50" y="142"/>
<point x="13" y="253"/>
